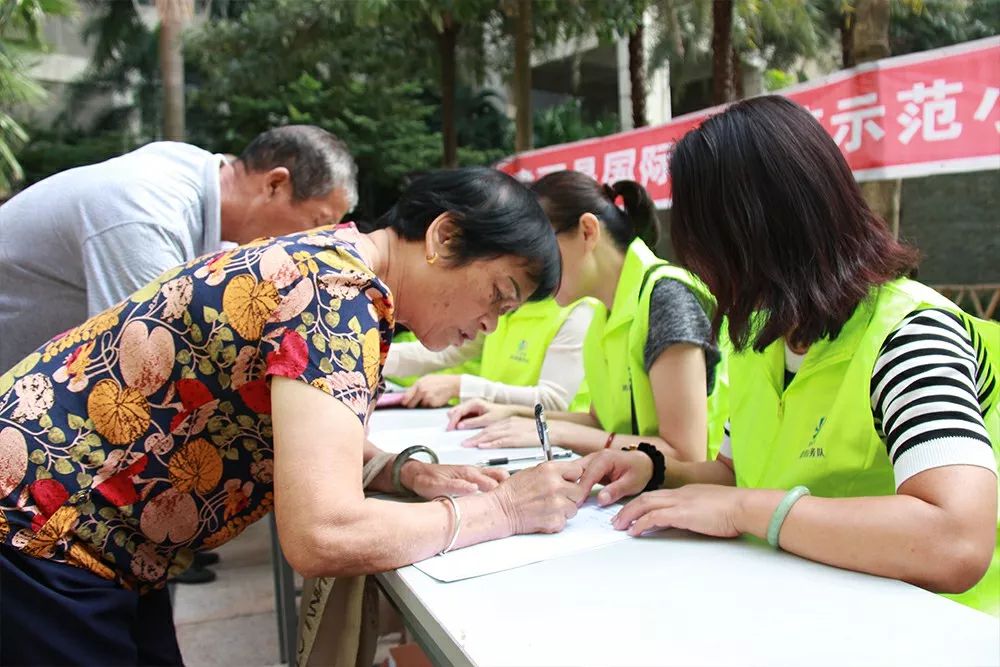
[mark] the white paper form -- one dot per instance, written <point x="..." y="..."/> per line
<point x="589" y="529"/>
<point x="436" y="438"/>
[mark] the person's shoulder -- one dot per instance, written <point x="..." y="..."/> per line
<point x="164" y="165"/>
<point x="335" y="247"/>
<point x="670" y="294"/>
<point x="172" y="150"/>
<point x="929" y="327"/>
<point x="327" y="257"/>
<point x="585" y="307"/>
<point x="161" y="181"/>
<point x="343" y="271"/>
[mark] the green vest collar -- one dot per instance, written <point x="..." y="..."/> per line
<point x="823" y="352"/>
<point x="638" y="259"/>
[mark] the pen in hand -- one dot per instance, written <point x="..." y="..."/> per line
<point x="543" y="431"/>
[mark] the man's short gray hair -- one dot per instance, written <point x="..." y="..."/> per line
<point x="318" y="161"/>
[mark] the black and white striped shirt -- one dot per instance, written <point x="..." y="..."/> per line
<point x="928" y="395"/>
<point x="928" y="391"/>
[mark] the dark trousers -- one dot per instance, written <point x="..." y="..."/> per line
<point x="55" y="614"/>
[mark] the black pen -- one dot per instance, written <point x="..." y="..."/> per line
<point x="543" y="431"/>
<point x="505" y="460"/>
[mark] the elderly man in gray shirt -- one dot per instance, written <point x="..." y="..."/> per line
<point x="79" y="242"/>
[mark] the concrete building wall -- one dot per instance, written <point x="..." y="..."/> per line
<point x="955" y="222"/>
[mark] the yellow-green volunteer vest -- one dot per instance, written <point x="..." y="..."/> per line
<point x="819" y="432"/>
<point x="514" y="353"/>
<point x="613" y="353"/>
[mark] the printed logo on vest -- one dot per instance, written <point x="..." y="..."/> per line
<point x="521" y="355"/>
<point x="811" y="451"/>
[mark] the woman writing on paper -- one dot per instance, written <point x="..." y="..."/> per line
<point x="534" y="356"/>
<point x="242" y="383"/>
<point x="863" y="419"/>
<point x="649" y="359"/>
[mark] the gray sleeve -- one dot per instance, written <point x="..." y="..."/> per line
<point x="676" y="316"/>
<point x="124" y="258"/>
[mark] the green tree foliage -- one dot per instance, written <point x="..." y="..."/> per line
<point x="483" y="130"/>
<point x="916" y="25"/>
<point x="779" y="31"/>
<point x="550" y="22"/>
<point x="313" y="61"/>
<point x="126" y="62"/>
<point x="20" y="39"/>
<point x="370" y="70"/>
<point x="565" y="122"/>
<point x="53" y="150"/>
<point x="931" y="24"/>
<point x="776" y="32"/>
<point x="441" y="30"/>
<point x="123" y="63"/>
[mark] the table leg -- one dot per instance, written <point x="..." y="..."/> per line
<point x="284" y="599"/>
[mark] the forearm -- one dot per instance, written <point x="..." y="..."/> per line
<point x="412" y="358"/>
<point x="325" y="523"/>
<point x="587" y="438"/>
<point x="553" y="397"/>
<point x="899" y="536"/>
<point x="382" y="482"/>
<point x="679" y="473"/>
<point x="582" y="418"/>
<point x="379" y="535"/>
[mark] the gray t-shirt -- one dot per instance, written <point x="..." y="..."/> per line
<point x="83" y="240"/>
<point x="676" y="316"/>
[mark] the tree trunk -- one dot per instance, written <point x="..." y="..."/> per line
<point x="174" y="15"/>
<point x="847" y="40"/>
<point x="884" y="198"/>
<point x="871" y="42"/>
<point x="722" y="44"/>
<point x="522" y="76"/>
<point x="575" y="73"/>
<point x="449" y="132"/>
<point x="737" y="72"/>
<point x="871" y="30"/>
<point x="637" y="75"/>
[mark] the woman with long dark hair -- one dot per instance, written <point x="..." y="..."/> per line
<point x="863" y="418"/>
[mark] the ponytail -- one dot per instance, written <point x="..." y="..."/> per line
<point x="625" y="209"/>
<point x="639" y="210"/>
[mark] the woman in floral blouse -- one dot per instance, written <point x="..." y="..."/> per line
<point x="242" y="383"/>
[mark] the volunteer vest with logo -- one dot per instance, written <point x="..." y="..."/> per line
<point x="614" y="350"/>
<point x="819" y="431"/>
<point x="514" y="353"/>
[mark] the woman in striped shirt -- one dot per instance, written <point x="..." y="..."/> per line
<point x="868" y="391"/>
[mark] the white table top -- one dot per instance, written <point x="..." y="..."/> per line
<point x="680" y="599"/>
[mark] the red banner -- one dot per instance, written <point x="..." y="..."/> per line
<point x="933" y="112"/>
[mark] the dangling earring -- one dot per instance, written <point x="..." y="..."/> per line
<point x="433" y="258"/>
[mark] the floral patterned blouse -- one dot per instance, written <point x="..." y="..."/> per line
<point x="144" y="434"/>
